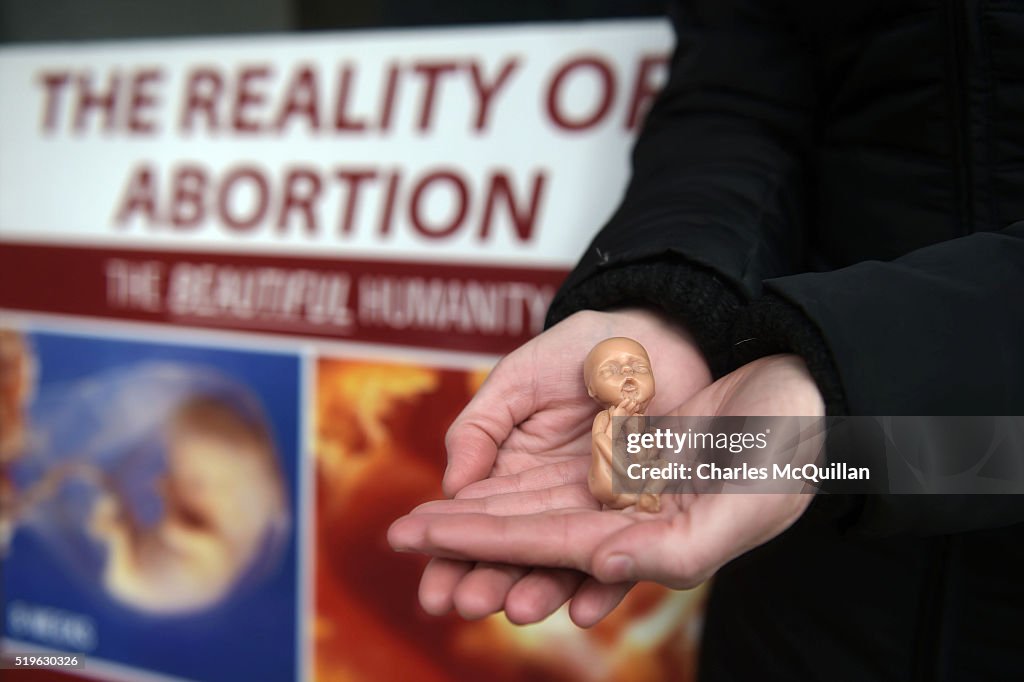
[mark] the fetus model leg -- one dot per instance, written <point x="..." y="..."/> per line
<point x="604" y="467"/>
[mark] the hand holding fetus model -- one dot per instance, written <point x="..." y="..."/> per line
<point x="617" y="372"/>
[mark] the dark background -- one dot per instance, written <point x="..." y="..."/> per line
<point x="70" y="20"/>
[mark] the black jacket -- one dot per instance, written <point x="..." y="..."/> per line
<point x="842" y="180"/>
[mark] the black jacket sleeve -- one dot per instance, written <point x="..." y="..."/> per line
<point x="715" y="203"/>
<point x="712" y="230"/>
<point x="939" y="331"/>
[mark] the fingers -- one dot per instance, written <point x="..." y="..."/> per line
<point x="438" y="583"/>
<point x="679" y="551"/>
<point x="471" y="450"/>
<point x="593" y="601"/>
<point x="526" y="596"/>
<point x="661" y="550"/>
<point x="684" y="550"/>
<point x="483" y="590"/>
<point x="575" y="496"/>
<point x="627" y="407"/>
<point x="479" y="590"/>
<point x="565" y="539"/>
<point x="540" y="593"/>
<point x="537" y="478"/>
<point x="505" y="399"/>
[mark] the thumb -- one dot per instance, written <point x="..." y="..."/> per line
<point x="471" y="454"/>
<point x="685" y="549"/>
<point x="663" y="551"/>
<point x="505" y="399"/>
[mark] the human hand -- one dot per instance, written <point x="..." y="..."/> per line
<point x="528" y="429"/>
<point x="680" y="546"/>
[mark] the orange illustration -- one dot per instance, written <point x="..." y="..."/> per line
<point x="379" y="449"/>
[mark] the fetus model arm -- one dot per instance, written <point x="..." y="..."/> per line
<point x="617" y="373"/>
<point x="604" y="465"/>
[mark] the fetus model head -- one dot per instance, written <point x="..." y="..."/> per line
<point x="617" y="369"/>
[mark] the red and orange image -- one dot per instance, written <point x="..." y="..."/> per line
<point x="379" y="448"/>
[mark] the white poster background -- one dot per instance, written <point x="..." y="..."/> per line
<point x="62" y="186"/>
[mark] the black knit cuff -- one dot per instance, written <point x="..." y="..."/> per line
<point x="773" y="325"/>
<point x="696" y="296"/>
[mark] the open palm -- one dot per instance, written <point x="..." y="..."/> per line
<point x="533" y="410"/>
<point x="680" y="546"/>
<point x="528" y="429"/>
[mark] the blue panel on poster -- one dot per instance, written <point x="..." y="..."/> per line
<point x="158" y="489"/>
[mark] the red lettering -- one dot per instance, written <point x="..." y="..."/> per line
<point x="524" y="216"/>
<point x="387" y="209"/>
<point x="54" y="83"/>
<point x="354" y="179"/>
<point x="431" y="73"/>
<point x="301" y="189"/>
<point x="649" y="75"/>
<point x="342" y="121"/>
<point x="188" y="208"/>
<point x="246" y="199"/>
<point x="485" y="92"/>
<point x="141" y="100"/>
<point x="387" y="106"/>
<point x="202" y="95"/>
<point x="417" y="210"/>
<point x="139" y="197"/>
<point x="301" y="99"/>
<point x="606" y="80"/>
<point x="88" y="100"/>
<point x="236" y="220"/>
<point x="247" y="96"/>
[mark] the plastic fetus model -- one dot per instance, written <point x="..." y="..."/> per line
<point x="617" y="372"/>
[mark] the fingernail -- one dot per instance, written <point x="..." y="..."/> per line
<point x="619" y="568"/>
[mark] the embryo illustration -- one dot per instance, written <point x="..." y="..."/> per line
<point x="156" y="481"/>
